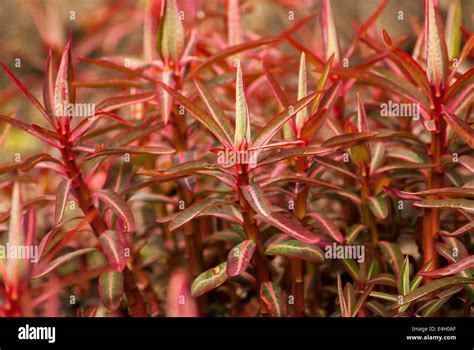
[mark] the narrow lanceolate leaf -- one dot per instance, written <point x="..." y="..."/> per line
<point x="209" y="280"/>
<point x="432" y="287"/>
<point x="215" y="110"/>
<point x="64" y="90"/>
<point x="44" y="268"/>
<point x="16" y="236"/>
<point x="435" y="46"/>
<point x="34" y="101"/>
<point x="119" y="206"/>
<point x="170" y="38"/>
<point x="349" y="295"/>
<point x="321" y="83"/>
<point x="469" y="227"/>
<point x="405" y="154"/>
<point x="342" y="299"/>
<point x="199" y="114"/>
<point x="274" y="124"/>
<point x="296" y="249"/>
<point x="328" y="226"/>
<point x="392" y="255"/>
<point x="416" y="281"/>
<point x="353" y="231"/>
<point x="242" y="116"/>
<point x="349" y="140"/>
<point x="378" y="206"/>
<point x="238" y="258"/>
<point x="302" y="92"/>
<point x="377" y="152"/>
<point x="195" y="209"/>
<point x="460" y="127"/>
<point x="290" y="226"/>
<point x="407" y="64"/>
<point x="464" y="204"/>
<point x="61" y="200"/>
<point x="166" y="102"/>
<point x="158" y="150"/>
<point x="352" y="268"/>
<point x="113" y="249"/>
<point x="328" y="26"/>
<point x="404" y="278"/>
<point x="111" y="289"/>
<point x="273" y="300"/>
<point x="460" y="266"/>
<point x="453" y="28"/>
<point x="255" y="197"/>
<point x="117" y="102"/>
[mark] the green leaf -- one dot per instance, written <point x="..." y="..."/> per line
<point x="378" y="206"/>
<point x="416" y="281"/>
<point x="350" y="299"/>
<point x="61" y="200"/>
<point x="432" y="287"/>
<point x="209" y="280"/>
<point x="462" y="129"/>
<point x="296" y="249"/>
<point x="353" y="231"/>
<point x="114" y="249"/>
<point x="290" y="226"/>
<point x="352" y="268"/>
<point x="342" y="298"/>
<point x="453" y="29"/>
<point x="194" y="210"/>
<point x="377" y="152"/>
<point x="111" y="289"/>
<point x="322" y="82"/>
<point x="404" y="278"/>
<point x="170" y="38"/>
<point x="44" y="268"/>
<point x="119" y="206"/>
<point x="302" y="115"/>
<point x="373" y="269"/>
<point x="464" y="204"/>
<point x="272" y="298"/>
<point x="392" y="255"/>
<point x="242" y="115"/>
<point x="239" y="257"/>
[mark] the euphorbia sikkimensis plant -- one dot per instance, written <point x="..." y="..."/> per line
<point x="225" y="174"/>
